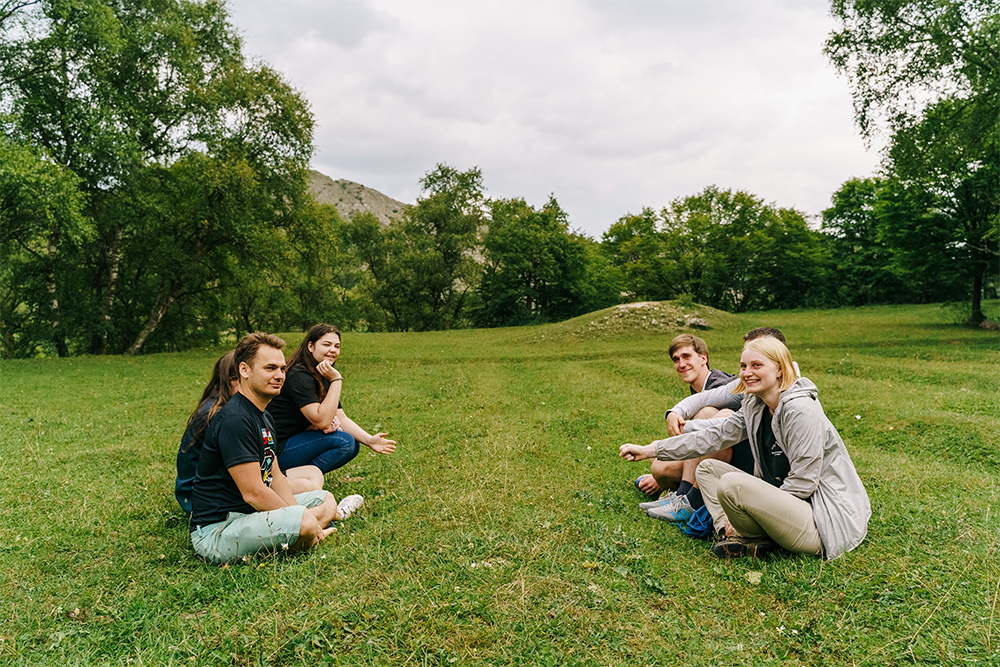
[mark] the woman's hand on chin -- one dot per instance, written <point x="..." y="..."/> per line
<point x="326" y="369"/>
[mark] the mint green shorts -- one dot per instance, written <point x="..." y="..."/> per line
<point x="243" y="535"/>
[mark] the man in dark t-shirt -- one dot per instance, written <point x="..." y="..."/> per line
<point x="241" y="501"/>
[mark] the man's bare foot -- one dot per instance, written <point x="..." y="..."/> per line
<point x="647" y="484"/>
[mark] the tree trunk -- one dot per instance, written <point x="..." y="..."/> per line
<point x="154" y="321"/>
<point x="114" y="258"/>
<point x="58" y="338"/>
<point x="976" y="315"/>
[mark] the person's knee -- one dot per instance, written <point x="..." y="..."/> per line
<point x="667" y="472"/>
<point x="707" y="412"/>
<point x="709" y="469"/>
<point x="731" y="487"/>
<point x="725" y="455"/>
<point x="314" y="476"/>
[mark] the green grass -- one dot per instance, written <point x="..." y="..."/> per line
<point x="504" y="531"/>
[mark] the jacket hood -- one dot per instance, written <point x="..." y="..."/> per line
<point x="802" y="388"/>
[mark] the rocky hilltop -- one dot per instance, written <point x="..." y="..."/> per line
<point x="348" y="197"/>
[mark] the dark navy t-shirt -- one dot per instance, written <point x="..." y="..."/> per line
<point x="239" y="433"/>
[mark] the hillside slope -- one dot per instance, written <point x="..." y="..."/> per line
<point x="349" y="197"/>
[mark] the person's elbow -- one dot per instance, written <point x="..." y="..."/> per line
<point x="257" y="497"/>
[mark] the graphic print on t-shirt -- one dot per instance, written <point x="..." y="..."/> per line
<point x="267" y="462"/>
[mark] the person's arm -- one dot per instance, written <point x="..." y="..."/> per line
<point x="257" y="494"/>
<point x="719" y="435"/>
<point x="719" y="397"/>
<point x="701" y="424"/>
<point x="321" y="414"/>
<point x="802" y="430"/>
<point x="377" y="442"/>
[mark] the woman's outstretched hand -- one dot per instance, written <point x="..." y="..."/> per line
<point x="379" y="443"/>
<point x="631" y="452"/>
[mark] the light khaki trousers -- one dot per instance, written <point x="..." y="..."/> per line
<point x="755" y="509"/>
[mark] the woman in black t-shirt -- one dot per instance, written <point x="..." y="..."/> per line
<point x="312" y="427"/>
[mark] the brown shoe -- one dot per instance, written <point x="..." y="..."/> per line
<point x="741" y="547"/>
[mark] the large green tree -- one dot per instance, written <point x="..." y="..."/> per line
<point x="421" y="269"/>
<point x="637" y="248"/>
<point x="536" y="269"/>
<point x="40" y="212"/>
<point x="112" y="89"/>
<point x="736" y="252"/>
<point x="929" y="72"/>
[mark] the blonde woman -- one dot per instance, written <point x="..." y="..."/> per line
<point x="804" y="496"/>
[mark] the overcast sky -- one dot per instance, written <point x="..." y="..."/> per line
<point x="610" y="105"/>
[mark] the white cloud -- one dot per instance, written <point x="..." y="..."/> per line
<point x="609" y="105"/>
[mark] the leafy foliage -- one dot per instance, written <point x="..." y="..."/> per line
<point x="535" y="269"/>
<point x="930" y="69"/>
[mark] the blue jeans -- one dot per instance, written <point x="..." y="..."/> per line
<point x="326" y="451"/>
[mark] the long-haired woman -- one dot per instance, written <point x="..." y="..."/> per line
<point x="313" y="430"/>
<point x="224" y="383"/>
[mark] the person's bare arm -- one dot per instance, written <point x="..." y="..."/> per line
<point x="377" y="442"/>
<point x="257" y="494"/>
<point x="322" y="414"/>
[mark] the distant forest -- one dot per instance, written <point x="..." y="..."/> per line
<point x="153" y="197"/>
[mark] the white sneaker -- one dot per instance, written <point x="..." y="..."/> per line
<point x="350" y="505"/>
<point x="665" y="499"/>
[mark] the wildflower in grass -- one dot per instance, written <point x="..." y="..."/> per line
<point x="780" y="629"/>
<point x="284" y="546"/>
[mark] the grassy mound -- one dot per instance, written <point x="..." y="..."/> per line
<point x="638" y="319"/>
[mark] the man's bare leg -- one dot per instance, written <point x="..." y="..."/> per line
<point x="315" y="522"/>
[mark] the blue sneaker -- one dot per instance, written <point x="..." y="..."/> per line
<point x="678" y="511"/>
<point x="665" y="499"/>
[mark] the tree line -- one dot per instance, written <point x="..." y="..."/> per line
<point x="153" y="197"/>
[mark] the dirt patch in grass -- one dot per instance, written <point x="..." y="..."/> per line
<point x="643" y="317"/>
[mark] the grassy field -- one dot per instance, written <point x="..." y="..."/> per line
<point x="505" y="530"/>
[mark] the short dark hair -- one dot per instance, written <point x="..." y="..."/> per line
<point x="687" y="340"/>
<point x="764" y="332"/>
<point x="247" y="348"/>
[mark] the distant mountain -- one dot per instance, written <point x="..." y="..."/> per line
<point x="348" y="197"/>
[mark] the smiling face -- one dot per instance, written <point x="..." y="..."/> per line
<point x="761" y="376"/>
<point x="690" y="365"/>
<point x="326" y="348"/>
<point x="261" y="377"/>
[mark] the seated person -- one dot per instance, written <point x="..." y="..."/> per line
<point x="719" y="398"/>
<point x="690" y="356"/>
<point x="242" y="503"/>
<point x="223" y="384"/>
<point x="805" y="494"/>
<point x="312" y="429"/>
